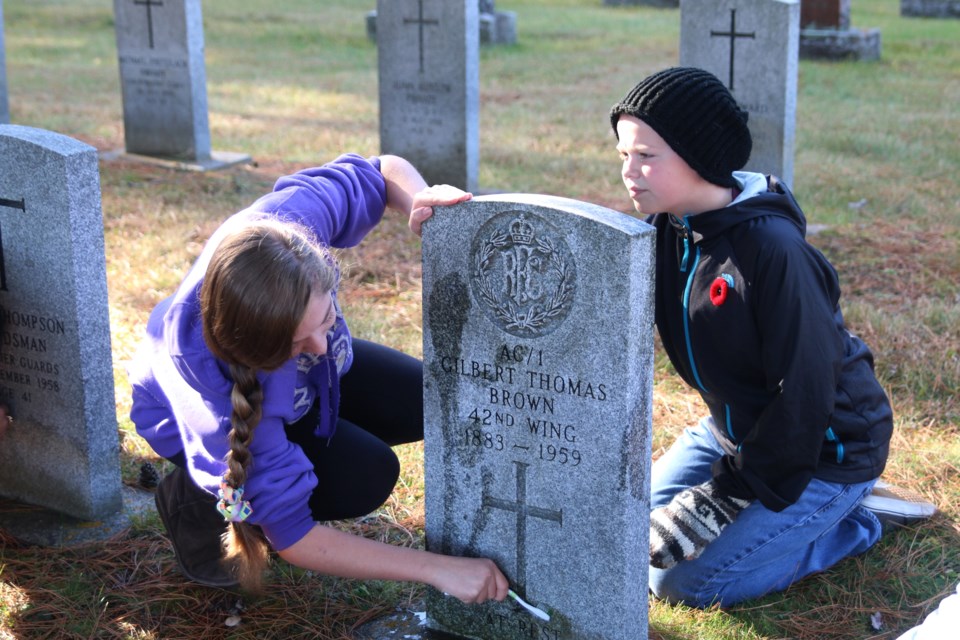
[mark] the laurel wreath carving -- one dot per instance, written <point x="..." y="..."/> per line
<point x="508" y="311"/>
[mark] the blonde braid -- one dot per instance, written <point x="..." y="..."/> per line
<point x="244" y="546"/>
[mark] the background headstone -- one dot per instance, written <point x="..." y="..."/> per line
<point x="825" y="33"/>
<point x="831" y="14"/>
<point x="496" y="27"/>
<point x="56" y="370"/>
<point x="538" y="364"/>
<point x="651" y="3"/>
<point x="930" y="8"/>
<point x="429" y="76"/>
<point x="751" y="45"/>
<point x="163" y="79"/>
<point x="4" y="102"/>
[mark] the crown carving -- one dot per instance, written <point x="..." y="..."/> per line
<point x="521" y="231"/>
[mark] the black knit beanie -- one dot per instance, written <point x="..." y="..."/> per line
<point x="696" y="115"/>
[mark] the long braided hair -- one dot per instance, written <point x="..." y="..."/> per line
<point x="253" y="298"/>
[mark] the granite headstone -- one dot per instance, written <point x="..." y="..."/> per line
<point x="496" y="27"/>
<point x="429" y="76"/>
<point x="826" y="34"/>
<point x="751" y="45"/>
<point x="538" y="356"/>
<point x="652" y="3"/>
<point x="830" y="14"/>
<point x="4" y="101"/>
<point x="56" y="369"/>
<point x="160" y="49"/>
<point x="930" y="8"/>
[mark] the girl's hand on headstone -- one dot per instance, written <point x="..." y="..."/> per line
<point x="471" y="580"/>
<point x="437" y="195"/>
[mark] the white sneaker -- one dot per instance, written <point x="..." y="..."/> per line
<point x="895" y="505"/>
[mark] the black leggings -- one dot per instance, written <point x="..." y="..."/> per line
<point x="381" y="405"/>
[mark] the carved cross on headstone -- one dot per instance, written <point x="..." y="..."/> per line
<point x="733" y="35"/>
<point x="420" y="22"/>
<point x="13" y="204"/>
<point x="523" y="511"/>
<point x="149" y="4"/>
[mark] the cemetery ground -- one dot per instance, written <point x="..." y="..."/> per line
<point x="295" y="84"/>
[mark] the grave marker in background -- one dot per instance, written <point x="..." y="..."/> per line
<point x="538" y="364"/>
<point x="825" y="33"/>
<point x="930" y="8"/>
<point x="651" y="3"/>
<point x="751" y="45"/>
<point x="429" y="75"/>
<point x="4" y="102"/>
<point x="56" y="368"/>
<point x="496" y="27"/>
<point x="163" y="79"/>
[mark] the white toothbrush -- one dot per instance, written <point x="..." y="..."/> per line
<point x="529" y="607"/>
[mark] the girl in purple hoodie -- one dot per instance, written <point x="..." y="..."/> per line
<point x="276" y="418"/>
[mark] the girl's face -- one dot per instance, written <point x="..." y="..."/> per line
<point x="318" y="320"/>
<point x="657" y="179"/>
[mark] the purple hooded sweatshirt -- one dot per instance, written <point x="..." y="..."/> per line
<point x="181" y="392"/>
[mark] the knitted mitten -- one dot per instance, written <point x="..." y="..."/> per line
<point x="692" y="520"/>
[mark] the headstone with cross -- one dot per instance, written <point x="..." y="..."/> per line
<point x="825" y="33"/>
<point x="4" y="101"/>
<point x="751" y="45"/>
<point x="428" y="53"/>
<point x="496" y="26"/>
<point x="163" y="80"/>
<point x="538" y="356"/>
<point x="56" y="370"/>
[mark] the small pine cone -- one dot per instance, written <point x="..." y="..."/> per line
<point x="149" y="477"/>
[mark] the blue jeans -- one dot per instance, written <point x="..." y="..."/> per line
<point x="761" y="551"/>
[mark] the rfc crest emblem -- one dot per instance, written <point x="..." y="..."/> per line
<point x="523" y="274"/>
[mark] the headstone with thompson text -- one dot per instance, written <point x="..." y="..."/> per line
<point x="428" y="59"/>
<point x="751" y="45"/>
<point x="4" y="101"/>
<point x="160" y="49"/>
<point x="56" y="368"/>
<point x="538" y="364"/>
<point x="826" y="34"/>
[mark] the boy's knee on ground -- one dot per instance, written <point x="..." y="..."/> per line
<point x="680" y="585"/>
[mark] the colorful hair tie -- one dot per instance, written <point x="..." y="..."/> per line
<point x="232" y="506"/>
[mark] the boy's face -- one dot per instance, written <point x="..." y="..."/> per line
<point x="657" y="179"/>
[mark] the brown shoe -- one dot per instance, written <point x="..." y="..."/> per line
<point x="897" y="506"/>
<point x="194" y="526"/>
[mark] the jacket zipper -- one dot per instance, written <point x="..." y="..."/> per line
<point x="686" y="233"/>
<point x="832" y="437"/>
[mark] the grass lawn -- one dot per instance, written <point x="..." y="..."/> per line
<point x="294" y="84"/>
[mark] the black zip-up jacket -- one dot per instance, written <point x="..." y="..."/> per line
<point x="748" y="313"/>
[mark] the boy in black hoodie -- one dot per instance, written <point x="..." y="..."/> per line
<point x="770" y="486"/>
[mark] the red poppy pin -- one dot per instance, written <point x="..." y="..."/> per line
<point x="719" y="289"/>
